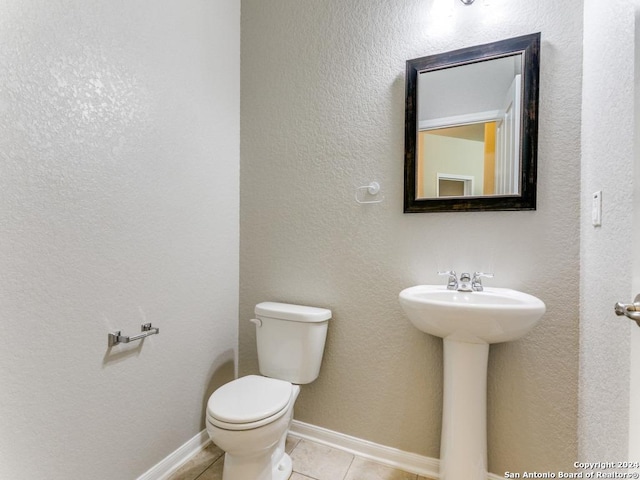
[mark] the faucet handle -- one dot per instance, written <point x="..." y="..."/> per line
<point x="452" y="281"/>
<point x="478" y="275"/>
<point x="476" y="283"/>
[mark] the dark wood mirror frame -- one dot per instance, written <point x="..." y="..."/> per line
<point x="529" y="45"/>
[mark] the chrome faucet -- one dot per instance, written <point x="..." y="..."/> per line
<point x="466" y="282"/>
<point x="452" y="281"/>
<point x="476" y="283"/>
<point x="464" y="285"/>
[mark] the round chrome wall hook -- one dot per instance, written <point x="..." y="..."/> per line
<point x="467" y="2"/>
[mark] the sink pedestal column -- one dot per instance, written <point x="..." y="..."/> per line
<point x="463" y="448"/>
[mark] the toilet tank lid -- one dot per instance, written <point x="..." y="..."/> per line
<point x="295" y="313"/>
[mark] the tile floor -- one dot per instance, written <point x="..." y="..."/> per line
<point x="311" y="461"/>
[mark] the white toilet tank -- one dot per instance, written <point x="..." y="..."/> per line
<point x="290" y="340"/>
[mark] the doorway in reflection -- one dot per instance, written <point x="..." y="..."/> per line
<point x="457" y="161"/>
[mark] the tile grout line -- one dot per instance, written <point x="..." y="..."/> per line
<point x="293" y="471"/>
<point x="346" y="474"/>
<point x="209" y="466"/>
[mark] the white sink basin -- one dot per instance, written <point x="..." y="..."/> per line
<point x="491" y="316"/>
<point x="468" y="322"/>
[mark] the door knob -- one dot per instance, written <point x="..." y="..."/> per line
<point x="629" y="310"/>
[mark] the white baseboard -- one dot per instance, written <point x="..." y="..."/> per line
<point x="409" y="462"/>
<point x="168" y="465"/>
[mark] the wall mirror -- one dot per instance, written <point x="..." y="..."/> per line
<point x="471" y="128"/>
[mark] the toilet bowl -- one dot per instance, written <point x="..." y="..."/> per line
<point x="249" y="417"/>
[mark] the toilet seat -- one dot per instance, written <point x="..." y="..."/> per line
<point x="249" y="402"/>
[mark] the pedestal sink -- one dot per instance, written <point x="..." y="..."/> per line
<point x="468" y="322"/>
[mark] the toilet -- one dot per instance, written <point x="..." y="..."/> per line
<point x="249" y="417"/>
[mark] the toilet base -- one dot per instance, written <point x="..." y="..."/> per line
<point x="256" y="468"/>
<point x="283" y="469"/>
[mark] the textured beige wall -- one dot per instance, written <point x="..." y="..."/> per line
<point x="322" y="113"/>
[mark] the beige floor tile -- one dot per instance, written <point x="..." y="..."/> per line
<point x="214" y="472"/>
<point x="362" y="469"/>
<point x="297" y="476"/>
<point x="320" y="462"/>
<point x="420" y="477"/>
<point x="291" y="444"/>
<point x="198" y="463"/>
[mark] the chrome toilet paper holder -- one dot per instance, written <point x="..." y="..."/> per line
<point x="116" y="337"/>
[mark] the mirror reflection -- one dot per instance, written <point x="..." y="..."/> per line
<point x="469" y="129"/>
